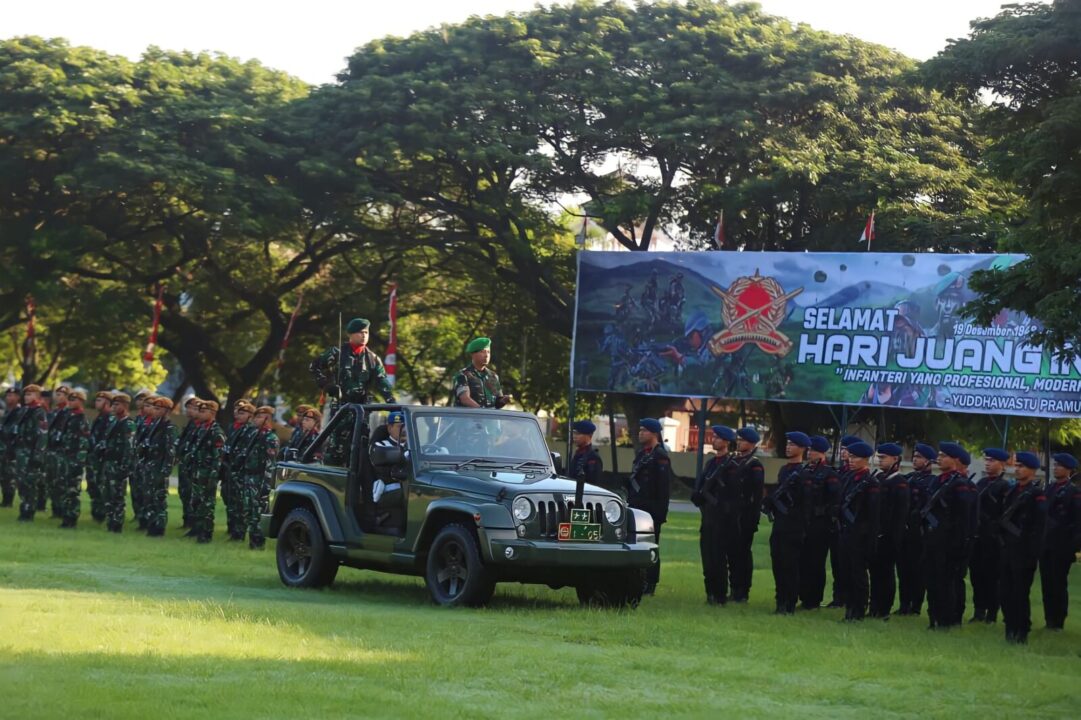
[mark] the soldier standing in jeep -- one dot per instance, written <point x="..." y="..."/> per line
<point x="477" y="385"/>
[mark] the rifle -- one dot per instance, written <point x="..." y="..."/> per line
<point x="775" y="501"/>
<point x="1006" y="520"/>
<point x="846" y="504"/>
<point x="926" y="512"/>
<point x="710" y="480"/>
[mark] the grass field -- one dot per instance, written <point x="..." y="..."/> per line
<point x="96" y="625"/>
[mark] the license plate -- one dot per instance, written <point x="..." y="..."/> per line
<point x="582" y="532"/>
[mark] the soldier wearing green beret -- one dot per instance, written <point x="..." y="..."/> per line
<point x="477" y="385"/>
<point x="351" y="372"/>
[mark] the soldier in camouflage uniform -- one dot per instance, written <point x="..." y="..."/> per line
<point x="477" y="385"/>
<point x="29" y="449"/>
<point x="119" y="461"/>
<point x="13" y="410"/>
<point x="74" y="447"/>
<point x="259" y="458"/>
<point x="355" y="378"/>
<point x="232" y="468"/>
<point x="96" y="458"/>
<point x="182" y="453"/>
<point x="207" y="451"/>
<point x="54" y="460"/>
<point x="144" y="419"/>
<point x="157" y="464"/>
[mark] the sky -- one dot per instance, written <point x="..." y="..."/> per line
<point x="311" y="39"/>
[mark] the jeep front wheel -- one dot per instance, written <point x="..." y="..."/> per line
<point x="455" y="573"/>
<point x="303" y="557"/>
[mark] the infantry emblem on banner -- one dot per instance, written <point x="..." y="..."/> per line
<point x="752" y="309"/>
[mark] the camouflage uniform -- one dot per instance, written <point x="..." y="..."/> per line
<point x="360" y="375"/>
<point x="155" y="466"/>
<point x="95" y="480"/>
<point x="259" y="458"/>
<point x="144" y="426"/>
<point x="206" y="465"/>
<point x="483" y="386"/>
<point x="29" y="466"/>
<point x="73" y="449"/>
<point x="185" y="443"/>
<point x="8" y="432"/>
<point x="54" y="460"/>
<point x="117" y="469"/>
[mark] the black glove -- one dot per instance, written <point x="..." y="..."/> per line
<point x="334" y="391"/>
<point x="696" y="498"/>
<point x="501" y="401"/>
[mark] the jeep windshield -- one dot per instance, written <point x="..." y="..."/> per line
<point x="481" y="441"/>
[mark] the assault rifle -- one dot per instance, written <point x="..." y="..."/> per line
<point x="775" y="503"/>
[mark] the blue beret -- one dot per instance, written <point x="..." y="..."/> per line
<point x="799" y="439"/>
<point x="861" y="450"/>
<point x="951" y="449"/>
<point x="925" y="450"/>
<point x="356" y="325"/>
<point x="650" y="424"/>
<point x="749" y="434"/>
<point x="820" y="444"/>
<point x="996" y="454"/>
<point x="395" y="417"/>
<point x="724" y="432"/>
<point x="1028" y="460"/>
<point x="1066" y="460"/>
<point x="890" y="449"/>
<point x="849" y="440"/>
<point x="585" y="427"/>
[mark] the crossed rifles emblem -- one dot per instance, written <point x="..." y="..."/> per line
<point x="752" y="309"/>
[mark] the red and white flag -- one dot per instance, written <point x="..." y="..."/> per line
<point x="30" y="342"/>
<point x="869" y="230"/>
<point x="287" y="336"/>
<point x="391" y="361"/>
<point x="148" y="355"/>
<point x="718" y="233"/>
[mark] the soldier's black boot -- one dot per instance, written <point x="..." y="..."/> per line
<point x="980" y="615"/>
<point x="204" y="538"/>
<point x="155" y="531"/>
<point x="991" y="617"/>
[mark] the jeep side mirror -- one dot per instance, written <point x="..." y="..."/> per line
<point x="386" y="456"/>
<point x="557" y="460"/>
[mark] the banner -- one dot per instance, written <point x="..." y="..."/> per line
<point x="839" y="328"/>
<point x="391" y="362"/>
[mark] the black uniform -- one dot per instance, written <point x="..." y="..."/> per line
<point x="949" y="523"/>
<point x="751" y="478"/>
<point x="823" y="501"/>
<point x="859" y="514"/>
<point x="716" y="493"/>
<point x="1022" y="525"/>
<point x="839" y="592"/>
<point x="983" y="566"/>
<point x="649" y="488"/>
<point x="893" y="517"/>
<point x="586" y="465"/>
<point x="911" y="582"/>
<point x="787" y="508"/>
<point x="1062" y="543"/>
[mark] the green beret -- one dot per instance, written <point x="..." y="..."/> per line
<point x="477" y="344"/>
<point x="356" y="325"/>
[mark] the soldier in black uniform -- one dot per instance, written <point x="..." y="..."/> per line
<point x="787" y="508"/>
<point x="1021" y="529"/>
<point x="984" y="564"/>
<point x="910" y="578"/>
<point x="649" y="486"/>
<point x="352" y="373"/>
<point x="12" y="410"/>
<point x="837" y="569"/>
<point x="859" y="516"/>
<point x="586" y="464"/>
<point x="893" y="516"/>
<point x="949" y="525"/>
<point x="751" y="479"/>
<point x="714" y="495"/>
<point x="1062" y="543"/>
<point x="823" y="501"/>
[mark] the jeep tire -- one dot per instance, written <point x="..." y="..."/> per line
<point x="617" y="589"/>
<point x="455" y="573"/>
<point x="303" y="557"/>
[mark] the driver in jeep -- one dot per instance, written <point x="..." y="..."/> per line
<point x="387" y="489"/>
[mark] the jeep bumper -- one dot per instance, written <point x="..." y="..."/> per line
<point x="506" y="549"/>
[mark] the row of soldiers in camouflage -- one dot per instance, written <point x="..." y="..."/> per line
<point x="46" y="453"/>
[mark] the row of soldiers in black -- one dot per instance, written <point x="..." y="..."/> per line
<point x="887" y="534"/>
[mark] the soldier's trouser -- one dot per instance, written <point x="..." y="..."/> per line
<point x="46" y="487"/>
<point x="58" y="486"/>
<point x="28" y="475"/>
<point x="71" y="492"/>
<point x="1055" y="564"/>
<point x="743" y="564"/>
<point x="837" y="570"/>
<point x="156" y="511"/>
<point x="653" y="574"/>
<point x="235" y="503"/>
<point x="710" y="545"/>
<point x="95" y="488"/>
<point x="910" y="572"/>
<point x="7" y="481"/>
<point x="784" y="551"/>
<point x="983" y="571"/>
<point x="138" y="493"/>
<point x="256" y="499"/>
<point x="812" y="563"/>
<point x="116" y="481"/>
<point x="883" y="578"/>
<point x="945" y="571"/>
<point x="183" y="487"/>
<point x="204" y="498"/>
<point x="855" y="559"/>
<point x="1014" y="584"/>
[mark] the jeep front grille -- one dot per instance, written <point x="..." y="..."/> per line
<point x="552" y="512"/>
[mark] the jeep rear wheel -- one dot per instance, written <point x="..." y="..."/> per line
<point x="612" y="590"/>
<point x="455" y="572"/>
<point x="303" y="557"/>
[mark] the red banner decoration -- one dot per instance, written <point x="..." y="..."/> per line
<point x="869" y="230"/>
<point x="391" y="362"/>
<point x="148" y="355"/>
<point x="288" y="335"/>
<point x="30" y="343"/>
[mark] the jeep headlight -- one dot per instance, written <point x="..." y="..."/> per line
<point x="613" y="512"/>
<point x="522" y="508"/>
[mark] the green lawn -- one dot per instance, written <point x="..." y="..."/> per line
<point x="96" y="625"/>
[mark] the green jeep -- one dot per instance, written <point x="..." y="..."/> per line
<point x="467" y="498"/>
